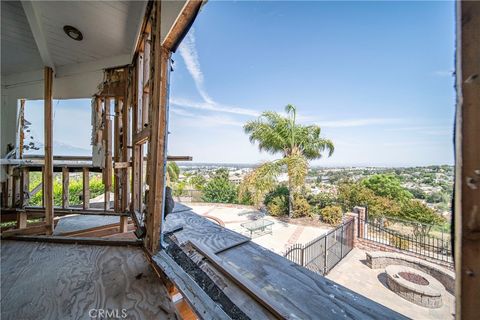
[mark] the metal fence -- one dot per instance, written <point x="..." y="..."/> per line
<point x="423" y="245"/>
<point x="323" y="253"/>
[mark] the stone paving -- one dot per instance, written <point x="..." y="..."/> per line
<point x="353" y="273"/>
<point x="283" y="234"/>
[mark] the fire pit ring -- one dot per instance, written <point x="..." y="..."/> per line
<point x="415" y="286"/>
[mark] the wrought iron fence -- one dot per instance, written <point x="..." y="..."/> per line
<point x="420" y="244"/>
<point x="323" y="253"/>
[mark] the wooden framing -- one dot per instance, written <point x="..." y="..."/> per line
<point x="158" y="131"/>
<point x="21" y="137"/>
<point x="467" y="188"/>
<point x="86" y="189"/>
<point x="65" y="189"/>
<point x="182" y="24"/>
<point x="48" y="136"/>
<point x="107" y="138"/>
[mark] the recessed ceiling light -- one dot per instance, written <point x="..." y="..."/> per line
<point x="73" y="33"/>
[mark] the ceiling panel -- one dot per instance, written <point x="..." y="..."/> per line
<point x="19" y="50"/>
<point x="109" y="29"/>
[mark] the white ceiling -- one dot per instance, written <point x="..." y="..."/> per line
<point x="109" y="29"/>
<point x="19" y="51"/>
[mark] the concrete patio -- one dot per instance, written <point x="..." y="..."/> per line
<point x="283" y="234"/>
<point x="354" y="274"/>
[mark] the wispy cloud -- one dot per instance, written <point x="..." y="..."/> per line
<point x="194" y="120"/>
<point x="189" y="53"/>
<point x="435" y="130"/>
<point x="186" y="103"/>
<point x="345" y="123"/>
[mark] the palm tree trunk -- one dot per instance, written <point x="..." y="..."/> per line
<point x="290" y="199"/>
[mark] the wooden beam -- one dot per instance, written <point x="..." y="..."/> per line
<point x="21" y="128"/>
<point x="25" y="192"/>
<point x="80" y="240"/>
<point x="107" y="136"/>
<point x="246" y="285"/>
<point x="117" y="123"/>
<point x="28" y="230"/>
<point x="125" y="151"/>
<point x="200" y="302"/>
<point x="86" y="189"/>
<point x="48" y="137"/>
<point x="123" y="224"/>
<point x="158" y="135"/>
<point x="21" y="220"/>
<point x="36" y="26"/>
<point x="10" y="188"/>
<point x="467" y="184"/>
<point x="142" y="136"/>
<point x="65" y="188"/>
<point x="182" y="24"/>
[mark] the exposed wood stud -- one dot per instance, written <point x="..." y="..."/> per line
<point x="10" y="188"/>
<point x="123" y="224"/>
<point x="21" y="129"/>
<point x="107" y="136"/>
<point x="467" y="184"/>
<point x="158" y="135"/>
<point x="65" y="188"/>
<point x="48" y="137"/>
<point x="86" y="189"/>
<point x="25" y="192"/>
<point x="21" y="220"/>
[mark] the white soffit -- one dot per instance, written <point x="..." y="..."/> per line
<point x="19" y="50"/>
<point x="109" y="29"/>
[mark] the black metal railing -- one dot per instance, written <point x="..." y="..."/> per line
<point x="420" y="244"/>
<point x="323" y="253"/>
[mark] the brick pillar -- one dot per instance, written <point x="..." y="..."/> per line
<point x="354" y="216"/>
<point x="361" y="220"/>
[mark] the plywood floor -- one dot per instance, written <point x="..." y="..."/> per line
<point x="62" y="281"/>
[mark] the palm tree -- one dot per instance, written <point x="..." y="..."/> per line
<point x="278" y="134"/>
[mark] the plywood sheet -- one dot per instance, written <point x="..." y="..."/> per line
<point x="61" y="281"/>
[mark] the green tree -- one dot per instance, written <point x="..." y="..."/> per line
<point x="173" y="171"/>
<point x="357" y="194"/>
<point x="219" y="189"/>
<point x="197" y="181"/>
<point x="278" y="134"/>
<point x="386" y="185"/>
<point x="423" y="217"/>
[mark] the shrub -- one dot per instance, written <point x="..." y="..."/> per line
<point x="301" y="207"/>
<point x="398" y="242"/>
<point x="278" y="206"/>
<point x="219" y="190"/>
<point x="331" y="214"/>
<point x="278" y="191"/>
<point x="322" y="200"/>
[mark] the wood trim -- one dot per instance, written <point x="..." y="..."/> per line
<point x="105" y="227"/>
<point x="28" y="230"/>
<point x="80" y="240"/>
<point x="467" y="184"/>
<point x="182" y="24"/>
<point x="48" y="137"/>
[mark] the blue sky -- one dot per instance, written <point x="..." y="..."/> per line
<point x="376" y="76"/>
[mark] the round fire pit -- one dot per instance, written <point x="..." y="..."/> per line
<point x="414" y="285"/>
